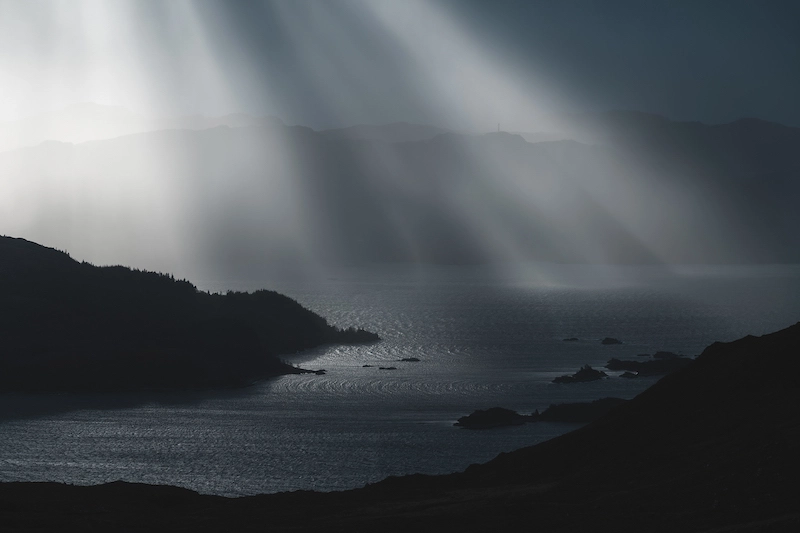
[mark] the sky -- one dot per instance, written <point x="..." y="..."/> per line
<point x="466" y="64"/>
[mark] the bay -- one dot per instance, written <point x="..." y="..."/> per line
<point x="484" y="337"/>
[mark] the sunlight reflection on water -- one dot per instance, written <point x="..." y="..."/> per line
<point x="481" y="343"/>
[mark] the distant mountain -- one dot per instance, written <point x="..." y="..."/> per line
<point x="711" y="447"/>
<point x="395" y="132"/>
<point x="746" y="174"/>
<point x="231" y="203"/>
<point x="69" y="326"/>
<point x="88" y="122"/>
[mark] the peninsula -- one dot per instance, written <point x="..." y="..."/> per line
<point x="70" y="326"/>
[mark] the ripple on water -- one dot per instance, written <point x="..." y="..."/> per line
<point x="482" y="343"/>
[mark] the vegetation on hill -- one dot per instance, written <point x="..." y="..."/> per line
<point x="66" y="325"/>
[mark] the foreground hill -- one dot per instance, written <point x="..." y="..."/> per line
<point x="68" y="326"/>
<point x="709" y="448"/>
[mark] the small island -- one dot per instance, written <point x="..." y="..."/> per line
<point x="492" y="418"/>
<point x="579" y="412"/>
<point x="653" y="367"/>
<point x="586" y="373"/>
<point x="610" y="340"/>
<point x="665" y="355"/>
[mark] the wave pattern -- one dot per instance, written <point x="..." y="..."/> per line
<point x="480" y="343"/>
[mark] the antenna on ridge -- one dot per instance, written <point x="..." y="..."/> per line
<point x="498" y="127"/>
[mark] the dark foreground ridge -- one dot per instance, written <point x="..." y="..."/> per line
<point x="69" y="326"/>
<point x="711" y="447"/>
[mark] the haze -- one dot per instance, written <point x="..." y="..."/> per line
<point x="176" y="147"/>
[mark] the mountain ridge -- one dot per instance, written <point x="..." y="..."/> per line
<point x="676" y="193"/>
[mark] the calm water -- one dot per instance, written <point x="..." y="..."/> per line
<point x="483" y="340"/>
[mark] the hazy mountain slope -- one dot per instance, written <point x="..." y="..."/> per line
<point x="395" y="132"/>
<point x="748" y="169"/>
<point x="88" y="121"/>
<point x="232" y="202"/>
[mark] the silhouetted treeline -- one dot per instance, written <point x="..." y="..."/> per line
<point x="564" y="412"/>
<point x="66" y="325"/>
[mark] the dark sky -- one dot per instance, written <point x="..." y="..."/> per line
<point x="456" y="63"/>
<point x="713" y="61"/>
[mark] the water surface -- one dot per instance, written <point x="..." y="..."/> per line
<point x="483" y="340"/>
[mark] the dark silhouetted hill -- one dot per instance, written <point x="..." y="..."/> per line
<point x="584" y="374"/>
<point x="711" y="447"/>
<point x="563" y="412"/>
<point x="68" y="326"/>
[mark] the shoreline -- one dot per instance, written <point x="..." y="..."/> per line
<point x="687" y="454"/>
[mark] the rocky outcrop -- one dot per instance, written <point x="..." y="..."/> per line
<point x="492" y="418"/>
<point x="67" y="326"/>
<point x="586" y="373"/>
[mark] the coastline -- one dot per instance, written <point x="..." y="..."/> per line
<point x="694" y="452"/>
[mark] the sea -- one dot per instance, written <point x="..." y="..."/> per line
<point x="485" y="337"/>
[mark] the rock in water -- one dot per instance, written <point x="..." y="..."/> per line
<point x="491" y="418"/>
